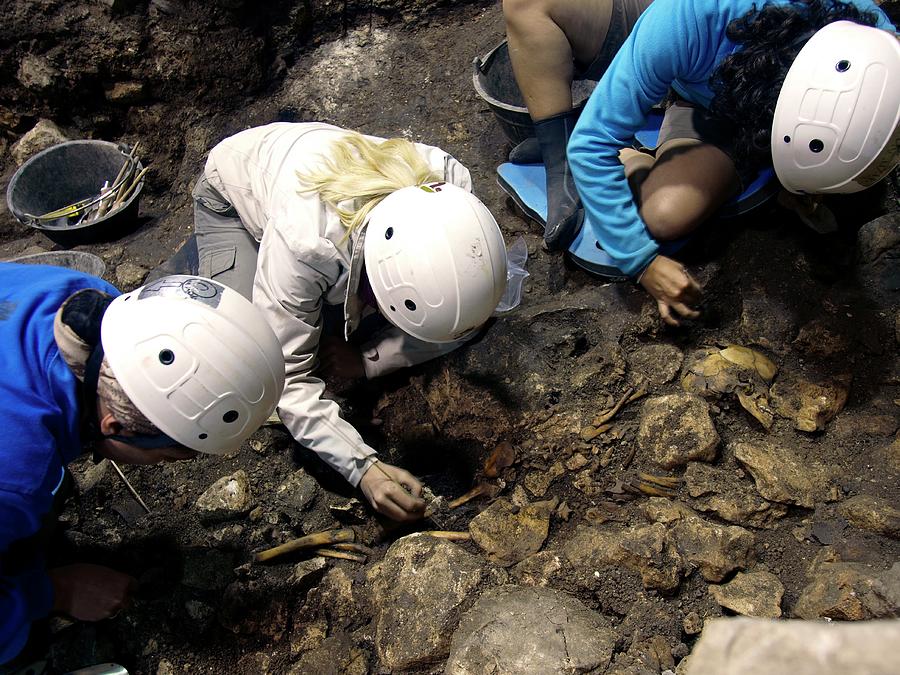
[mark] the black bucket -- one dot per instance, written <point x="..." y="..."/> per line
<point x="81" y="261"/>
<point x="495" y="82"/>
<point x="65" y="174"/>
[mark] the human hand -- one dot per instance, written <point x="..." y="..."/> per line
<point x="675" y="291"/>
<point x="339" y="359"/>
<point x="90" y="592"/>
<point x="393" y="492"/>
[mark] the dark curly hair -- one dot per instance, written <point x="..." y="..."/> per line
<point x="745" y="85"/>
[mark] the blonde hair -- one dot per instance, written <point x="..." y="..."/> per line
<point x="362" y="172"/>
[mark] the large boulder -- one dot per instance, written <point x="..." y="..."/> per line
<point x="419" y="589"/>
<point x="530" y="631"/>
<point x="744" y="646"/>
<point x="676" y="429"/>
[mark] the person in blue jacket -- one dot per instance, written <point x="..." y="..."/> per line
<point x="83" y="367"/>
<point x="748" y="84"/>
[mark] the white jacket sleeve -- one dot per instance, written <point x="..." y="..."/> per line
<point x="289" y="292"/>
<point x="391" y="348"/>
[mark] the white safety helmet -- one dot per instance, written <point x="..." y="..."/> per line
<point x="836" y="121"/>
<point x="196" y="358"/>
<point x="436" y="261"/>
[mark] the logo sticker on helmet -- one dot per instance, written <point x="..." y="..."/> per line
<point x="195" y="288"/>
<point x="432" y="187"/>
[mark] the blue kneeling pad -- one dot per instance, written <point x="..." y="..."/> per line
<point x="526" y="184"/>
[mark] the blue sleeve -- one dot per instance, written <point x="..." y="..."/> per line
<point x="27" y="595"/>
<point x="672" y="40"/>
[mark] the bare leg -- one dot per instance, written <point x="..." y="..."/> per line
<point x="687" y="183"/>
<point x="546" y="37"/>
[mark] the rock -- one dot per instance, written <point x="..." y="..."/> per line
<point x="228" y="497"/>
<point x="530" y="631"/>
<point x="751" y="594"/>
<point x="715" y="549"/>
<point x="37" y="73"/>
<point x="888" y="456"/>
<point x="744" y="646"/>
<point x="336" y="654"/>
<point x="308" y="634"/>
<point x="538" y="482"/>
<point x="45" y="134"/>
<point x="646" y="550"/>
<point x="88" y="474"/>
<point x="510" y="534"/>
<point x="692" y="623"/>
<point x="538" y="569"/>
<point x="821" y="339"/>
<point x="602" y="365"/>
<point x="657" y="362"/>
<point x="676" y="429"/>
<point x="129" y="276"/>
<point x="576" y="462"/>
<point x="719" y="491"/>
<point x="298" y="491"/>
<point x="419" y="589"/>
<point x="810" y="404"/>
<point x="873" y="514"/>
<point x="334" y="594"/>
<point x="307" y="571"/>
<point x="126" y="93"/>
<point x="850" y="592"/>
<point x="877" y="237"/>
<point x="781" y="475"/>
<point x="662" y="510"/>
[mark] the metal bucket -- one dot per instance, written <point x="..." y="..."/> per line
<point x="495" y="83"/>
<point x="65" y="174"/>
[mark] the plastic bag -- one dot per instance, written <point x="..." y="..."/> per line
<point x="516" y="257"/>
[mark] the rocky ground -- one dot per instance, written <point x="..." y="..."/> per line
<point x="635" y="481"/>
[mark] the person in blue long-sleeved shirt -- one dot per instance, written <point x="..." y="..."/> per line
<point x="58" y="393"/>
<point x="723" y="61"/>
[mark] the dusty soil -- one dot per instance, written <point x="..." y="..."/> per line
<point x="819" y="306"/>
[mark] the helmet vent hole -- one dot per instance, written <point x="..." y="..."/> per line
<point x="787" y="139"/>
<point x="410" y="305"/>
<point x="167" y="357"/>
<point x="230" y="416"/>
<point x="842" y="66"/>
<point x="393" y="309"/>
<point x="816" y="145"/>
<point x="388" y="233"/>
<point x="202" y="437"/>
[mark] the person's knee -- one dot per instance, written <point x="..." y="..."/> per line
<point x="516" y="10"/>
<point x="670" y="215"/>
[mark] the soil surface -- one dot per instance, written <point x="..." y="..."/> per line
<point x="812" y="479"/>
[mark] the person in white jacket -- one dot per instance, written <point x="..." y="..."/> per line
<point x="300" y="216"/>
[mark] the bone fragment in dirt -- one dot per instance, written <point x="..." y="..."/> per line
<point x="353" y="548"/>
<point x="480" y="490"/>
<point x="343" y="555"/>
<point x="590" y="433"/>
<point x="601" y="424"/>
<point x="452" y="536"/>
<point x="309" y="541"/>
